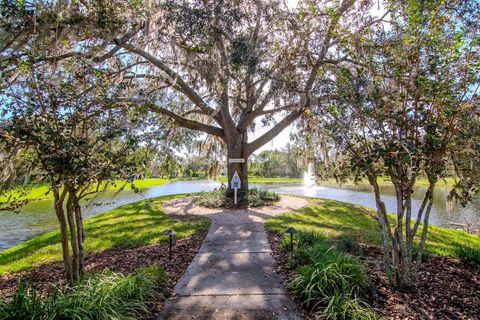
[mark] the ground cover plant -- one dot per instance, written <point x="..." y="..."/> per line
<point x="126" y="226"/>
<point x="99" y="296"/>
<point x="252" y="198"/>
<point x="328" y="279"/>
<point x="449" y="278"/>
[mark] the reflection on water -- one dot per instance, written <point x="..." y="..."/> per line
<point x="39" y="217"/>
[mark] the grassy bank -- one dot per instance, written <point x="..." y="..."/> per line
<point x="127" y="226"/>
<point x="43" y="191"/>
<point x="385" y="181"/>
<point x="255" y="179"/>
<point x="334" y="219"/>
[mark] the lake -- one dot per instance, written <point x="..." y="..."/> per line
<point x="38" y="217"/>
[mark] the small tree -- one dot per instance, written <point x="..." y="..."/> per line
<point x="76" y="142"/>
<point x="400" y="111"/>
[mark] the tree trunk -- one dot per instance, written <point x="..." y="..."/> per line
<point x="73" y="238"/>
<point x="240" y="168"/>
<point x="60" y="212"/>
<point x="80" y="235"/>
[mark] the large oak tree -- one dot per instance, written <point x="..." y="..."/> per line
<point x="218" y="67"/>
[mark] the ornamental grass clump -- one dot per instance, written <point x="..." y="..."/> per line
<point x="101" y="296"/>
<point x="328" y="279"/>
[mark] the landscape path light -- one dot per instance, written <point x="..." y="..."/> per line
<point x="170" y="233"/>
<point x="291" y="231"/>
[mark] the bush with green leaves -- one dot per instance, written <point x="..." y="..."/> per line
<point x="259" y="197"/>
<point x="332" y="272"/>
<point x="253" y="198"/>
<point x="328" y="279"/>
<point x="346" y="243"/>
<point x="213" y="199"/>
<point x="105" y="295"/>
<point x="342" y="306"/>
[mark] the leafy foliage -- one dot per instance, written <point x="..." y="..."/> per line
<point x="329" y="279"/>
<point x="61" y="119"/>
<point x="253" y="198"/>
<point x="259" y="197"/>
<point x="470" y="254"/>
<point x="105" y="296"/>
<point x="401" y="112"/>
<point x="288" y="162"/>
<point x="213" y="199"/>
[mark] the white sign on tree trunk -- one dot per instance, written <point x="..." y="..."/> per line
<point x="236" y="184"/>
<point x="236" y="160"/>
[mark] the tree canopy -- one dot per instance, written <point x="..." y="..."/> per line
<point x="403" y="110"/>
<point x="218" y="67"/>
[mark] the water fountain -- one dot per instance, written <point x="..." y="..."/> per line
<point x="309" y="176"/>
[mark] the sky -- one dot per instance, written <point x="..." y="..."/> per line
<point x="277" y="143"/>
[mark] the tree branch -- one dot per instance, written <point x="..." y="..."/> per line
<point x="269" y="135"/>
<point x="176" y="79"/>
<point x="177" y="119"/>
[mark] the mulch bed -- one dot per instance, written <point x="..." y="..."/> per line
<point x="123" y="260"/>
<point x="447" y="287"/>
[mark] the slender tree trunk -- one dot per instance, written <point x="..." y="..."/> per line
<point x="60" y="212"/>
<point x="80" y="235"/>
<point x="73" y="238"/>
<point x="423" y="238"/>
<point x="400" y="272"/>
<point x="382" y="218"/>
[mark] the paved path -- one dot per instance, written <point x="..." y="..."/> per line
<point x="232" y="276"/>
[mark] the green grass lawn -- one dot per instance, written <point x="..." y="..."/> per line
<point x="383" y="180"/>
<point x="334" y="218"/>
<point x="127" y="226"/>
<point x="256" y="179"/>
<point x="42" y="191"/>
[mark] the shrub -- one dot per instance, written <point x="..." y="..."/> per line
<point x="346" y="243"/>
<point x="343" y="307"/>
<point x="425" y="252"/>
<point x="214" y="199"/>
<point x="309" y="245"/>
<point x="253" y="198"/>
<point x="313" y="253"/>
<point x="330" y="278"/>
<point x="334" y="272"/>
<point x="26" y="304"/>
<point x="258" y="197"/>
<point x="104" y="295"/>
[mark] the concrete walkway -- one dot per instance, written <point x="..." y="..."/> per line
<point x="232" y="276"/>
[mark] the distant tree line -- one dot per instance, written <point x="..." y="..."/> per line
<point x="287" y="162"/>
